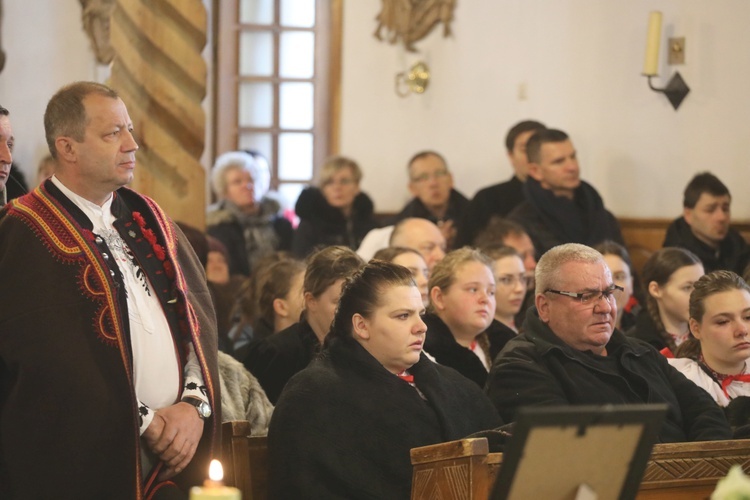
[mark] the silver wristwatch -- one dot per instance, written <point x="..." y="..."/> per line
<point x="204" y="409"/>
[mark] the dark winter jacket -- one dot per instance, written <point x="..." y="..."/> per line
<point x="249" y="237"/>
<point x="498" y="333"/>
<point x="441" y="344"/>
<point x="538" y="368"/>
<point x="553" y="220"/>
<point x="645" y="329"/>
<point x="733" y="253"/>
<point x="457" y="204"/>
<point x="498" y="200"/>
<point x="344" y="426"/>
<point x="323" y="225"/>
<point x="275" y="359"/>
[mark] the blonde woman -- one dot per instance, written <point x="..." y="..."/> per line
<point x="462" y="305"/>
<point x="335" y="212"/>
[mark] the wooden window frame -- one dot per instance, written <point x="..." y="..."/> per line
<point x="226" y="36"/>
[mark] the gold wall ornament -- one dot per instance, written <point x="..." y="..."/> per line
<point x="411" y="20"/>
<point x="415" y="81"/>
<point x="96" y="17"/>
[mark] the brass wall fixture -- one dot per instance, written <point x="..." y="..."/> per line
<point x="414" y="81"/>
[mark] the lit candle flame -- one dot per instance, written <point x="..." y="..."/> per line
<point x="215" y="471"/>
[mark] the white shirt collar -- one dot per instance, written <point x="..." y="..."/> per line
<point x="100" y="216"/>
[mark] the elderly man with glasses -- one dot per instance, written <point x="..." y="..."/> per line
<point x="571" y="354"/>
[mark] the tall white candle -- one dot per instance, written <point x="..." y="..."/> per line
<point x="651" y="65"/>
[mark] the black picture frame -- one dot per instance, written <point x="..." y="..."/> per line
<point x="555" y="450"/>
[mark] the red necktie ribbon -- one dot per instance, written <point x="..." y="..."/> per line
<point x="745" y="377"/>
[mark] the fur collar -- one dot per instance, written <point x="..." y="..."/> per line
<point x="312" y="205"/>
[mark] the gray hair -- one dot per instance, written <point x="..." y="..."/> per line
<point x="548" y="267"/>
<point x="240" y="160"/>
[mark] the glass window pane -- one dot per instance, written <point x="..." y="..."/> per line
<point x="296" y="105"/>
<point x="256" y="11"/>
<point x="256" y="105"/>
<point x="298" y="13"/>
<point x="297" y="54"/>
<point x="259" y="141"/>
<point x="256" y="53"/>
<point x="295" y="156"/>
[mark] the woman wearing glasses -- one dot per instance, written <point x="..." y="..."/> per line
<point x="511" y="284"/>
<point x="334" y="213"/>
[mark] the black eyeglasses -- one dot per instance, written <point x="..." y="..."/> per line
<point x="591" y="297"/>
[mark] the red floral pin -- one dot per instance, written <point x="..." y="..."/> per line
<point x="159" y="251"/>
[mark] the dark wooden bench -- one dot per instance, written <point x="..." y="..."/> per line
<point x="245" y="460"/>
<point x="465" y="470"/>
<point x="645" y="236"/>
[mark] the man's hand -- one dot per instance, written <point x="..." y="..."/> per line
<point x="173" y="435"/>
<point x="448" y="231"/>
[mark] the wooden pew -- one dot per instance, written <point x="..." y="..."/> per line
<point x="245" y="460"/>
<point x="465" y="470"/>
<point x="645" y="236"/>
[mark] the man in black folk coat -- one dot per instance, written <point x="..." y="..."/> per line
<point x="108" y="351"/>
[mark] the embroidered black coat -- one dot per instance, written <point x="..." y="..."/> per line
<point x="69" y="422"/>
<point x="344" y="426"/>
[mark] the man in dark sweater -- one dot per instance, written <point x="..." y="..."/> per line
<point x="571" y="354"/>
<point x="435" y="199"/>
<point x="559" y="206"/>
<point x="704" y="226"/>
<point x="500" y="199"/>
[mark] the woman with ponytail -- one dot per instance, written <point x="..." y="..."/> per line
<point x="668" y="276"/>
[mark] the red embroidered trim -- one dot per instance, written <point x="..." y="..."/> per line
<point x="159" y="251"/>
<point x="68" y="242"/>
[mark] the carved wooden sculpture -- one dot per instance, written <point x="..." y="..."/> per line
<point x="412" y="20"/>
<point x="159" y="71"/>
<point x="96" y="17"/>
